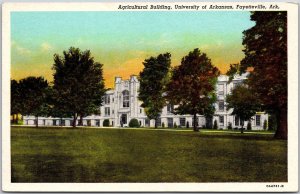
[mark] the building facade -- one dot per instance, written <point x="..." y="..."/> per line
<point x="121" y="104"/>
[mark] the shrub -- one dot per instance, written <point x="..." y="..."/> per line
<point x="249" y="127"/>
<point x="187" y="125"/>
<point x="163" y="125"/>
<point x="230" y="125"/>
<point x="215" y="125"/>
<point x="265" y="124"/>
<point x="106" y="123"/>
<point x="134" y="123"/>
<point x="175" y="125"/>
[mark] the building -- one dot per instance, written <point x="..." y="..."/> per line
<point x="121" y="104"/>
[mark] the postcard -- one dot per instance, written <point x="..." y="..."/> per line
<point x="150" y="97"/>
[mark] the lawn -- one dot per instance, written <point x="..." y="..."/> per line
<point x="126" y="155"/>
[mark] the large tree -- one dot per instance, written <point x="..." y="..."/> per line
<point x="266" y="52"/>
<point x="78" y="83"/>
<point x="243" y="102"/>
<point x="34" y="92"/>
<point x="153" y="79"/>
<point x="192" y="86"/>
<point x="16" y="100"/>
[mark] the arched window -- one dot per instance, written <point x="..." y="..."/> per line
<point x="125" y="98"/>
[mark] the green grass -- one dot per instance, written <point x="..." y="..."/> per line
<point x="125" y="155"/>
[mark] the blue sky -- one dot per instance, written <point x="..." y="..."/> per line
<point x="122" y="40"/>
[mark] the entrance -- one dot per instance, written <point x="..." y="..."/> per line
<point x="170" y="122"/>
<point x="123" y="119"/>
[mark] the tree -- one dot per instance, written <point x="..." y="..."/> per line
<point x="249" y="127"/>
<point x="78" y="83"/>
<point x="35" y="94"/>
<point x="192" y="86"/>
<point x="266" y="52"/>
<point x="153" y="80"/>
<point x="243" y="103"/>
<point x="16" y="100"/>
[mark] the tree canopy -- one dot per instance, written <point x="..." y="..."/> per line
<point x="243" y="102"/>
<point x="78" y="83"/>
<point x="35" y="93"/>
<point x="16" y="100"/>
<point x="266" y="52"/>
<point x="192" y="85"/>
<point x="153" y="79"/>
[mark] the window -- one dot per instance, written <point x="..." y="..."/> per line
<point x="107" y="111"/>
<point x="113" y="99"/>
<point x="221" y="89"/>
<point x="140" y="110"/>
<point x="107" y="99"/>
<point x="236" y="121"/>
<point x="54" y="122"/>
<point x="170" y="108"/>
<point x="221" y="120"/>
<point x="125" y="98"/>
<point x="221" y="105"/>
<point x="182" y="122"/>
<point x="257" y="120"/>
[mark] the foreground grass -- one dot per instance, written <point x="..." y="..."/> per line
<point x="119" y="155"/>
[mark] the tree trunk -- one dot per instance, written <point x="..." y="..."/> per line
<point x="155" y="123"/>
<point x="74" y="120"/>
<point x="242" y="130"/>
<point x="195" y="123"/>
<point x="13" y="119"/>
<point x="60" y="122"/>
<point x="281" y="132"/>
<point x="80" y="123"/>
<point x="17" y="119"/>
<point x="37" y="121"/>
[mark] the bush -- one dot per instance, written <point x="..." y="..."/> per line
<point x="175" y="125"/>
<point x="134" y="123"/>
<point x="163" y="125"/>
<point x="187" y="125"/>
<point x="215" y="125"/>
<point x="265" y="124"/>
<point x="106" y="123"/>
<point x="249" y="127"/>
<point x="230" y="125"/>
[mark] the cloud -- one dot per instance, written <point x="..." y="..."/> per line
<point x="46" y="47"/>
<point x="19" y="49"/>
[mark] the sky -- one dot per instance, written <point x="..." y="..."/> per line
<point x="121" y="41"/>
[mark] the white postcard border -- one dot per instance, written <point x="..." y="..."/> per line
<point x="291" y="185"/>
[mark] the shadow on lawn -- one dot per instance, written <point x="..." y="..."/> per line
<point x="59" y="168"/>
